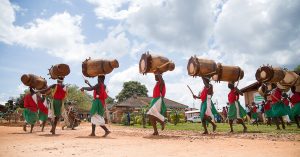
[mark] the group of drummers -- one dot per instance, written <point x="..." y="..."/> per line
<point x="276" y="104"/>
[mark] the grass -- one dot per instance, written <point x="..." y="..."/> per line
<point x="224" y="127"/>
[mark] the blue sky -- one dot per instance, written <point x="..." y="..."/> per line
<point x="37" y="34"/>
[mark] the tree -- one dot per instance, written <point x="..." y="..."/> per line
<point x="131" y="88"/>
<point x="82" y="100"/>
<point x="297" y="69"/>
<point x="109" y="100"/>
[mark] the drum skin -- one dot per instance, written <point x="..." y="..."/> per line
<point x="201" y="67"/>
<point x="269" y="74"/>
<point x="155" y="64"/>
<point x="34" y="81"/>
<point x="96" y="67"/>
<point x="59" y="70"/>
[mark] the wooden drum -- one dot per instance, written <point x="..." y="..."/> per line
<point x="59" y="70"/>
<point x="201" y="67"/>
<point x="155" y="64"/>
<point x="96" y="67"/>
<point x="34" y="81"/>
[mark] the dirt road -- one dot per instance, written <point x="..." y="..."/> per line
<point x="132" y="142"/>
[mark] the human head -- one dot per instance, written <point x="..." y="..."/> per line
<point x="158" y="77"/>
<point x="60" y="79"/>
<point x="101" y="78"/>
<point x="31" y="90"/>
<point x="231" y="85"/>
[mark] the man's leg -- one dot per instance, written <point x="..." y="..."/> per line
<point x="24" y="126"/>
<point x="282" y="123"/>
<point x="269" y="122"/>
<point x="93" y="130"/>
<point x="212" y="123"/>
<point x="230" y="124"/>
<point x="31" y="127"/>
<point x="277" y="122"/>
<point x="105" y="129"/>
<point x="162" y="123"/>
<point x="43" y="125"/>
<point x="153" y="123"/>
<point x="241" y="121"/>
<point x="256" y="121"/>
<point x="204" y="125"/>
<point x="297" y="120"/>
<point x="54" y="125"/>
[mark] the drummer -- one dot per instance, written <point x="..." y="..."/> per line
<point x="98" y="105"/>
<point x="60" y="94"/>
<point x="30" y="109"/>
<point x="295" y="100"/>
<point x="158" y="107"/>
<point x="207" y="109"/>
<point x="236" y="111"/>
<point x="278" y="108"/>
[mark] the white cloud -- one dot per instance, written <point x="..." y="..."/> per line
<point x="60" y="36"/>
<point x="266" y="31"/>
<point x="119" y="9"/>
<point x="100" y="26"/>
<point x="174" y="25"/>
<point x="22" y="88"/>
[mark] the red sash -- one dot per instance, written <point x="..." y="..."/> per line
<point x="59" y="94"/>
<point x="232" y="96"/>
<point x="156" y="90"/>
<point x="276" y="96"/>
<point x="29" y="103"/>
<point x="295" y="98"/>
<point x="267" y="105"/>
<point x="102" y="95"/>
<point x="203" y="94"/>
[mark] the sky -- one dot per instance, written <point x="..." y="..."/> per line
<point x="37" y="34"/>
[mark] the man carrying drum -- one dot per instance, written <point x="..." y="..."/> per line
<point x="157" y="105"/>
<point x="98" y="105"/>
<point x="30" y="109"/>
<point x="207" y="109"/>
<point x="59" y="95"/>
<point x="236" y="111"/>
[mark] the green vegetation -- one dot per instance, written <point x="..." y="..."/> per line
<point x="224" y="127"/>
<point x="177" y="117"/>
<point x="81" y="100"/>
<point x="131" y="88"/>
<point x="297" y="68"/>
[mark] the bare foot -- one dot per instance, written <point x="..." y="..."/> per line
<point x="155" y="134"/>
<point x="106" y="133"/>
<point x="214" y="127"/>
<point x="163" y="126"/>
<point x="92" y="134"/>
<point x="205" y="132"/>
<point x="24" y="127"/>
<point x="52" y="131"/>
<point x="245" y="129"/>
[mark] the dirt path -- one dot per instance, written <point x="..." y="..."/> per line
<point x="125" y="142"/>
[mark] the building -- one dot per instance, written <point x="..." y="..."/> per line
<point x="251" y="95"/>
<point x="192" y="113"/>
<point x="135" y="103"/>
